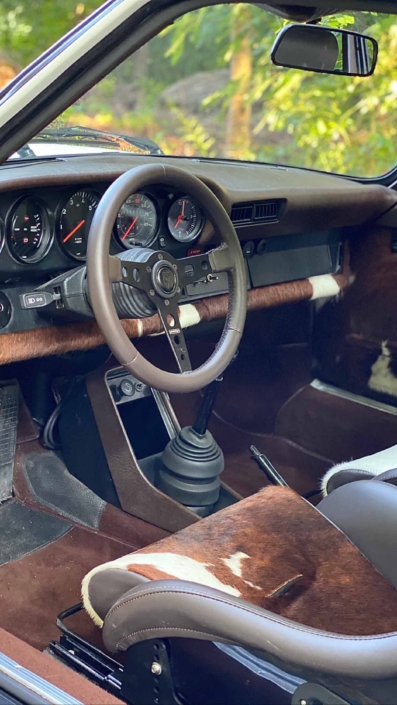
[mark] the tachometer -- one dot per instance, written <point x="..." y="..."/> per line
<point x="185" y="219"/>
<point x="75" y="222"/>
<point x="29" y="231"/>
<point x="137" y="221"/>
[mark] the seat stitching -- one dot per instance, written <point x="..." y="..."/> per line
<point x="252" y="611"/>
<point x="155" y="629"/>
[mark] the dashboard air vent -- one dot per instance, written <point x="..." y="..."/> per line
<point x="242" y="213"/>
<point x="256" y="212"/>
<point x="268" y="210"/>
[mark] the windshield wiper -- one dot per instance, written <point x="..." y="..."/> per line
<point x="89" y="137"/>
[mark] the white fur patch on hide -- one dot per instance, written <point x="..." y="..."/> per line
<point x="324" y="286"/>
<point x="188" y="315"/>
<point x="182" y="568"/>
<point x="382" y="378"/>
<point x="375" y="464"/>
<point x="234" y="563"/>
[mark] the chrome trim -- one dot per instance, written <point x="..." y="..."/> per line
<point x="350" y="396"/>
<point x="35" y="683"/>
<point x="167" y="412"/>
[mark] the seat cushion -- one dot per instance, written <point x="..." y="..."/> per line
<point x="367" y="513"/>
<point x="273" y="550"/>
<point x="360" y="469"/>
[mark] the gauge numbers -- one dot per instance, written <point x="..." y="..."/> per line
<point x="75" y="221"/>
<point x="185" y="219"/>
<point x="29" y="230"/>
<point x="137" y="221"/>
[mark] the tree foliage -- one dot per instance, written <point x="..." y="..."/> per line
<point x="206" y="86"/>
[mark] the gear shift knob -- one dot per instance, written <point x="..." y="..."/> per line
<point x="192" y="461"/>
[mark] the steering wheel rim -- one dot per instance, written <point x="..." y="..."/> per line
<point x="103" y="270"/>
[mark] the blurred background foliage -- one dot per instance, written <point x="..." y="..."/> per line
<point x="206" y="87"/>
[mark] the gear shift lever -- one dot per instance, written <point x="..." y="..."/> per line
<point x="192" y="461"/>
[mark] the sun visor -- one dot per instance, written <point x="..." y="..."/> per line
<point x="298" y="13"/>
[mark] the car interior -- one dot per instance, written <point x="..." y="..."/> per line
<point x="198" y="419"/>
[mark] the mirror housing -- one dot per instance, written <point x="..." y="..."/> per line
<point x="325" y="50"/>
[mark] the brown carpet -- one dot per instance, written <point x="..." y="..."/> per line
<point x="301" y="470"/>
<point x="35" y="589"/>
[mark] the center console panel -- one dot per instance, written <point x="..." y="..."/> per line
<point x="113" y="430"/>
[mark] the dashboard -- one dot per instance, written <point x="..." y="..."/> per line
<point x="44" y="230"/>
<point x="291" y="223"/>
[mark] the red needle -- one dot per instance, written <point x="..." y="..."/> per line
<point x="74" y="231"/>
<point x="127" y="232"/>
<point x="181" y="215"/>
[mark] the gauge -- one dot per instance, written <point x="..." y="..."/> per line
<point x="75" y="222"/>
<point x="29" y="232"/>
<point x="137" y="221"/>
<point x="185" y="219"/>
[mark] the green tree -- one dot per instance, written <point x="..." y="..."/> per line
<point x="29" y="27"/>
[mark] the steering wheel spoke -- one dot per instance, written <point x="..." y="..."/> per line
<point x="173" y="329"/>
<point x="193" y="269"/>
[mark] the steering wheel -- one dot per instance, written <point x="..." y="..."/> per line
<point x="159" y="279"/>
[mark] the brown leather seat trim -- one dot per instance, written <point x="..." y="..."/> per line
<point x="140" y="615"/>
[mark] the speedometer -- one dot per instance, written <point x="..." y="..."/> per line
<point x="75" y="220"/>
<point x="137" y="221"/>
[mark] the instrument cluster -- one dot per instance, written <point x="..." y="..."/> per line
<point x="30" y="226"/>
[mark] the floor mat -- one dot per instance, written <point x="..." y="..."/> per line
<point x="301" y="469"/>
<point x="52" y="486"/>
<point x="35" y="589"/>
<point x="23" y="530"/>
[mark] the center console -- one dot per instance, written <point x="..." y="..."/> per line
<point x="113" y="431"/>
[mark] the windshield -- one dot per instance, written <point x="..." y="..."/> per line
<point x="206" y="87"/>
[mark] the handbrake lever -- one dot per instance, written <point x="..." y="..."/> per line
<point x="268" y="468"/>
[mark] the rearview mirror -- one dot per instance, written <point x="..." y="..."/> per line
<point x="325" y="50"/>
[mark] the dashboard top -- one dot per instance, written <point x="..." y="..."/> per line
<point x="232" y="182"/>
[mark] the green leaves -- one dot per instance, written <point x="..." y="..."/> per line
<point x="252" y="110"/>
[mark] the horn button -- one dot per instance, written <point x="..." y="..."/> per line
<point x="165" y="279"/>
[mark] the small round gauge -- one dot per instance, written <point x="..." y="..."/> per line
<point x="29" y="231"/>
<point x="185" y="219"/>
<point x="75" y="221"/>
<point x="137" y="221"/>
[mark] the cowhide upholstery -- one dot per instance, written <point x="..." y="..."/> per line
<point x="355" y="341"/>
<point x="57" y="340"/>
<point x="373" y="465"/>
<point x="274" y="550"/>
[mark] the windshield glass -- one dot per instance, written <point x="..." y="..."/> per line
<point x="206" y="87"/>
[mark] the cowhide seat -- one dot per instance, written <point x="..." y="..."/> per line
<point x="270" y="573"/>
<point x="379" y="466"/>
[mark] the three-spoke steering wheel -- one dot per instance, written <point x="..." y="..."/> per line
<point x="162" y="278"/>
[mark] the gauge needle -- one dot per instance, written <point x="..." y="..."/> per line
<point x="74" y="231"/>
<point x="181" y="215"/>
<point x="127" y="232"/>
